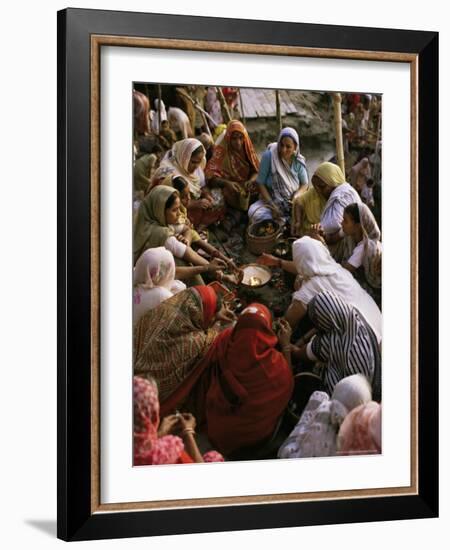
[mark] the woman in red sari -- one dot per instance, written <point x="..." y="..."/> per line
<point x="234" y="166"/>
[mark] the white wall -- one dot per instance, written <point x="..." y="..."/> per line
<point x="28" y="218"/>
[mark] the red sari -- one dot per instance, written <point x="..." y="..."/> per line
<point x="250" y="385"/>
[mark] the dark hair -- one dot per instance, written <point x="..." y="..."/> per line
<point x="352" y="210"/>
<point x="157" y="149"/>
<point x="146" y="144"/>
<point x="199" y="149"/>
<point x="179" y="183"/>
<point x="171" y="200"/>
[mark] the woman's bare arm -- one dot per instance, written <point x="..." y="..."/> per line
<point x="295" y="313"/>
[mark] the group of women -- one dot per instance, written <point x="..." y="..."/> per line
<point x="234" y="377"/>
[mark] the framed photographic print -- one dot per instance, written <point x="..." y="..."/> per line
<point x="247" y="262"/>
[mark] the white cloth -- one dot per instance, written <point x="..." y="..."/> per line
<point x="316" y="432"/>
<point x="154" y="117"/>
<point x="258" y="212"/>
<point x="333" y="213"/>
<point x="357" y="257"/>
<point x="177" y="248"/>
<point x="367" y="195"/>
<point x="179" y="121"/>
<point x="321" y="273"/>
<point x="154" y="280"/>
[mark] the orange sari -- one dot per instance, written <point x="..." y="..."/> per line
<point x="234" y="166"/>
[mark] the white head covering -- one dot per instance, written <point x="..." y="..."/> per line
<point x="312" y="258"/>
<point x="320" y="272"/>
<point x="155" y="267"/>
<point x="352" y="391"/>
<point x="154" y="280"/>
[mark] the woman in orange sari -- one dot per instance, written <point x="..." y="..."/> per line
<point x="234" y="166"/>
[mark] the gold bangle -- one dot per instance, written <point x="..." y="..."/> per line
<point x="188" y="431"/>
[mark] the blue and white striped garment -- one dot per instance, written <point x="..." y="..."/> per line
<point x="345" y="342"/>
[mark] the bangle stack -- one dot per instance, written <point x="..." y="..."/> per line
<point x="188" y="431"/>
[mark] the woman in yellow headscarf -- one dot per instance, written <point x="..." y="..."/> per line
<point x="329" y="182"/>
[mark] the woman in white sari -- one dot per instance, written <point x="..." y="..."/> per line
<point x="317" y="272"/>
<point x="154" y="280"/>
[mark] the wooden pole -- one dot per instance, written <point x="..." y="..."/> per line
<point x="223" y="104"/>
<point x="277" y="104"/>
<point x="241" y="104"/>
<point x="338" y="132"/>
<point x="159" y="109"/>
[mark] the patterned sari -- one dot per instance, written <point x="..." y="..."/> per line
<point x="171" y="340"/>
<point x="234" y="166"/>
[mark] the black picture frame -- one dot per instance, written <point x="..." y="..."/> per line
<point x="76" y="518"/>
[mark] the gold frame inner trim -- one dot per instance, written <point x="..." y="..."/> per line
<point x="97" y="41"/>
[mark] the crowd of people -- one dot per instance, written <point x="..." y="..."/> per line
<point x="232" y="385"/>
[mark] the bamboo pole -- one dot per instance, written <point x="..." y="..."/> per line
<point x="241" y="104"/>
<point x="159" y="109"/>
<point x="223" y="104"/>
<point x="338" y="131"/>
<point x="278" y="109"/>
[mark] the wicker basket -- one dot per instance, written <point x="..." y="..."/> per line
<point x="259" y="245"/>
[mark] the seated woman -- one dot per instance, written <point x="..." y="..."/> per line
<point x="173" y="338"/>
<point x="250" y="384"/>
<point x="154" y="280"/>
<point x="197" y="242"/>
<point x="282" y="175"/>
<point x="316" y="432"/>
<point x="234" y="166"/>
<point x="187" y="159"/>
<point x="307" y="210"/>
<point x="363" y="234"/>
<point x="318" y="272"/>
<point x="144" y="168"/>
<point x="154" y="443"/>
<point x="344" y="344"/>
<point x="158" y="211"/>
<point x="329" y="181"/>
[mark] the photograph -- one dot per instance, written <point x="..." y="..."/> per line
<point x="257" y="273"/>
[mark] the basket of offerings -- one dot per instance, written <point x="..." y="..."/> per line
<point x="262" y="236"/>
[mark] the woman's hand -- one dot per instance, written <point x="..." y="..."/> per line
<point x="216" y="265"/>
<point x="269" y="260"/>
<point x="224" y="317"/>
<point x="186" y="421"/>
<point x="276" y="212"/>
<point x="168" y="425"/>
<point x="284" y="333"/>
<point x="204" y="204"/>
<point x="233" y="186"/>
<point x="316" y="232"/>
<point x="183" y="239"/>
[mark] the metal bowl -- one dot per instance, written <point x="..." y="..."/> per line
<point x="256" y="275"/>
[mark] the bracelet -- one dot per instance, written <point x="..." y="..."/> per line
<point x="287" y="347"/>
<point x="188" y="431"/>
